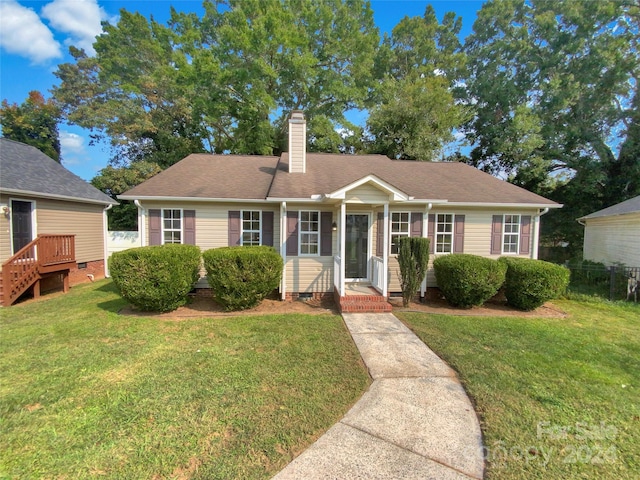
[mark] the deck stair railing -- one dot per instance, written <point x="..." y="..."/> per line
<point x="44" y="255"/>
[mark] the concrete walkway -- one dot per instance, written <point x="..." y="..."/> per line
<point x="414" y="422"/>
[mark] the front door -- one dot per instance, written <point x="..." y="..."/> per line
<point x="357" y="247"/>
<point x="21" y="228"/>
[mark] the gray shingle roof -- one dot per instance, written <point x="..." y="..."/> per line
<point x="260" y="177"/>
<point x="27" y="170"/>
<point x="628" y="206"/>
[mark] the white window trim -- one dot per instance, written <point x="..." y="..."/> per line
<point x="451" y="234"/>
<point x="172" y="229"/>
<point x="392" y="233"/>
<point x="242" y="230"/>
<point x="301" y="232"/>
<point x="504" y="232"/>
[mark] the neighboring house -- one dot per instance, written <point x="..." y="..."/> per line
<point x="335" y="219"/>
<point x="612" y="235"/>
<point x="40" y="198"/>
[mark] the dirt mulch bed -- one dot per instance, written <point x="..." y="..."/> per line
<point x="199" y="307"/>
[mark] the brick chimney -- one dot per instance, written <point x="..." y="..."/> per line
<point x="297" y="142"/>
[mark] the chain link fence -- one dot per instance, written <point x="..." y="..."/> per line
<point x="614" y="283"/>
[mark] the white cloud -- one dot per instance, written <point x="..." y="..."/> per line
<point x="71" y="144"/>
<point x="78" y="18"/>
<point x="23" y="33"/>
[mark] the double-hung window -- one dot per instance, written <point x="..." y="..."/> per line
<point x="251" y="227"/>
<point x="171" y="226"/>
<point x="400" y="225"/>
<point x="309" y="232"/>
<point x="511" y="234"/>
<point x="444" y="233"/>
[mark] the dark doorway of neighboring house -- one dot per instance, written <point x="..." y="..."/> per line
<point x="22" y="230"/>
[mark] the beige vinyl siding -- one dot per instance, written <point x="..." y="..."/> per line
<point x="309" y="274"/>
<point x="613" y="239"/>
<point x="366" y="194"/>
<point x="5" y="231"/>
<point x="212" y="223"/>
<point x="212" y="220"/>
<point x="83" y="220"/>
<point x="477" y="238"/>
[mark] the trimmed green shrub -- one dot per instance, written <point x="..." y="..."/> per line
<point x="468" y="280"/>
<point x="530" y="283"/>
<point x="241" y="277"/>
<point x="413" y="258"/>
<point x="156" y="278"/>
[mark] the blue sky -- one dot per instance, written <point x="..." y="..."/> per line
<point x="35" y="36"/>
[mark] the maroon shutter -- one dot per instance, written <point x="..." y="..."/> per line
<point x="234" y="228"/>
<point x="432" y="232"/>
<point x="326" y="219"/>
<point x="267" y="228"/>
<point x="189" y="227"/>
<point x="380" y="235"/>
<point x="458" y="234"/>
<point x="292" y="234"/>
<point x="525" y="234"/>
<point x="155" y="227"/>
<point x="496" y="235"/>
<point x="416" y="224"/>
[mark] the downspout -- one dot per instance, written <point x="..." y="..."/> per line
<point x="283" y="249"/>
<point x="105" y="233"/>
<point x="141" y="221"/>
<point x="425" y="234"/>
<point x="536" y="233"/>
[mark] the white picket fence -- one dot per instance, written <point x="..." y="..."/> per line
<point x="118" y="241"/>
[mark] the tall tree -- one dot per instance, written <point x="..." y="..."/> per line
<point x="554" y="86"/>
<point x="416" y="110"/>
<point x="116" y="180"/>
<point x="224" y="82"/>
<point x="34" y="122"/>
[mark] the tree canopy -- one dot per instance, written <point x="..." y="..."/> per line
<point x="34" y="122"/>
<point x="545" y="92"/>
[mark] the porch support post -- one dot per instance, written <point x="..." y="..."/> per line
<point x="343" y="238"/>
<point x="283" y="249"/>
<point x="385" y="251"/>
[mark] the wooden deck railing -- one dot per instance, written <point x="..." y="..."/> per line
<point x="45" y="254"/>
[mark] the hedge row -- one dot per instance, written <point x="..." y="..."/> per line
<point x="159" y="278"/>
<point x="470" y="280"/>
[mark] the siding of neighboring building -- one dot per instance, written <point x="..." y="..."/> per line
<point x="84" y="220"/>
<point x="613" y="239"/>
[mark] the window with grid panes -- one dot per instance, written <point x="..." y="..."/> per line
<point x="400" y="225"/>
<point x="172" y="226"/>
<point x="309" y="232"/>
<point x="444" y="233"/>
<point x="251" y="227"/>
<point x="511" y="234"/>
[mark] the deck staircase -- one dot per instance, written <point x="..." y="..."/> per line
<point x="361" y="298"/>
<point x="45" y="256"/>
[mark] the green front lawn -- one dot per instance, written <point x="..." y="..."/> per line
<point x="557" y="397"/>
<point x="87" y="393"/>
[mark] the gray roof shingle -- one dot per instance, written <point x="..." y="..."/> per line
<point x="628" y="206"/>
<point x="259" y="177"/>
<point x="27" y="170"/>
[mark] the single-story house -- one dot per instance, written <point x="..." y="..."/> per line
<point x="335" y="219"/>
<point x="41" y="201"/>
<point x="612" y="235"/>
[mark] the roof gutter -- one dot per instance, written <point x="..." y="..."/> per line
<point x="53" y="196"/>
<point x="536" y="234"/>
<point x="105" y="235"/>
<point x="141" y="221"/>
